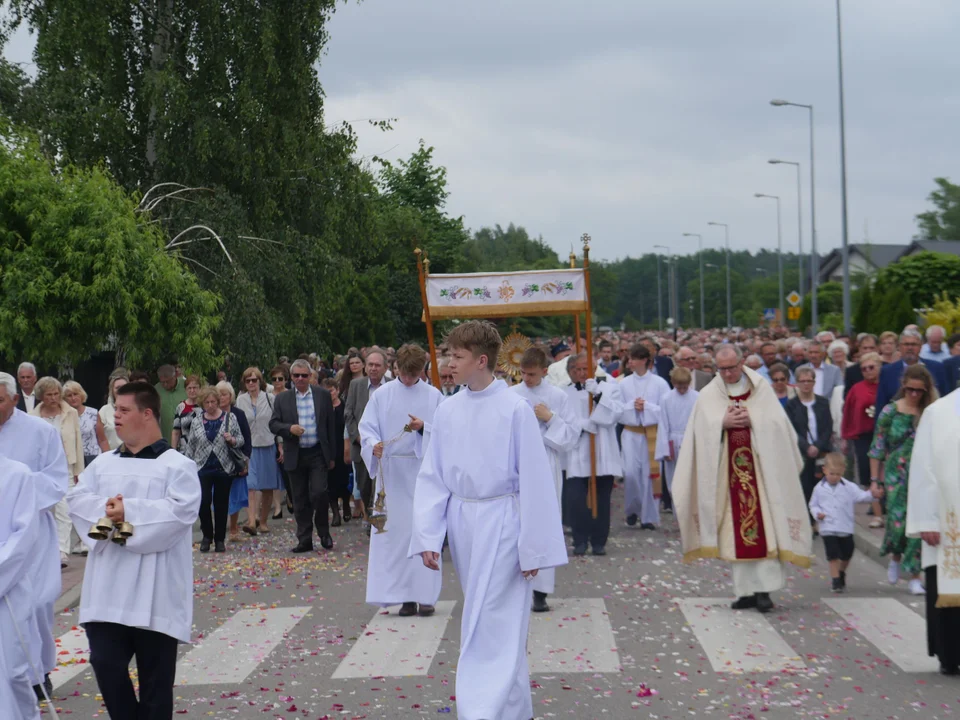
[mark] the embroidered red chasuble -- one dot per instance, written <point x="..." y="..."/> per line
<point x="749" y="537"/>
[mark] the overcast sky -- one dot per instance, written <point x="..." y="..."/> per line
<point x="638" y="120"/>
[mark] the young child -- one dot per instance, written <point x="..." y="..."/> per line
<point x="674" y="416"/>
<point x="832" y="505"/>
<point x="486" y="482"/>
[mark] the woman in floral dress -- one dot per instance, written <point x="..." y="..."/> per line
<point x="889" y="467"/>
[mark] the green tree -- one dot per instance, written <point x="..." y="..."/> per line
<point x="892" y="310"/>
<point x="861" y="318"/>
<point x="829" y="302"/>
<point x="943" y="221"/>
<point x="81" y="271"/>
<point x="923" y="275"/>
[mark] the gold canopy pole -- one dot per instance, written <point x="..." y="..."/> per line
<point x="423" y="269"/>
<point x="576" y="318"/>
<point x="592" y="489"/>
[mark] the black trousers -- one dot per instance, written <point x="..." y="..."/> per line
<point x="943" y="625"/>
<point x="338" y="482"/>
<point x="308" y="484"/>
<point x="583" y="524"/>
<point x="215" y="487"/>
<point x="112" y="646"/>
<point x="861" y="446"/>
<point x="365" y="483"/>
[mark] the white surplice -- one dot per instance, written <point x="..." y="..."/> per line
<point x="148" y="583"/>
<point x="19" y="633"/>
<point x="483" y="479"/>
<point x="37" y="444"/>
<point x="393" y="577"/>
<point x="559" y="435"/>
<point x="674" y="416"/>
<point x="602" y="424"/>
<point x="637" y="486"/>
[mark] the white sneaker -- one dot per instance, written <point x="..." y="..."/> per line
<point x="893" y="572"/>
<point x="916" y="587"/>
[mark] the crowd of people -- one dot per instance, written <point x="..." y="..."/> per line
<point x="494" y="451"/>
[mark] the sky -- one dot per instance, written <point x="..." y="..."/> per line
<point x="638" y="120"/>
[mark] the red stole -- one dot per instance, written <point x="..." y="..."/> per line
<point x="749" y="537"/>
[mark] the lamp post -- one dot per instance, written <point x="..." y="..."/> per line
<point x="844" y="247"/>
<point x="659" y="298"/>
<point x="726" y="233"/>
<point x="814" y="260"/>
<point x="700" y="256"/>
<point x="799" y="218"/>
<point x="783" y="308"/>
<point x="670" y="312"/>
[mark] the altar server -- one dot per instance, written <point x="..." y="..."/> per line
<point x="37" y="444"/>
<point x="483" y="481"/>
<point x="137" y="598"/>
<point x="674" y="416"/>
<point x="559" y="435"/>
<point x="642" y="394"/>
<point x="394" y="427"/>
<point x="19" y="634"/>
<point x="601" y="424"/>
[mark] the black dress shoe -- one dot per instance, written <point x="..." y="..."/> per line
<point x="599" y="551"/>
<point x="648" y="526"/>
<point x="218" y="546"/>
<point x="631" y="520"/>
<point x="303" y="547"/>
<point x="279" y="515"/>
<point x="426" y="610"/>
<point x="205" y="545"/>
<point x="540" y="602"/>
<point x="48" y="686"/>
<point x="326" y="542"/>
<point x="347" y="515"/>
<point x="579" y="550"/>
<point x="949" y="670"/>
<point x="407" y="609"/>
<point x="745" y="603"/>
<point x="764" y="603"/>
<point x="336" y="522"/>
<point x="843" y="579"/>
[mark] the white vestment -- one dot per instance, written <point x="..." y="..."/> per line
<point x="637" y="486"/>
<point x="674" y="416"/>
<point x="483" y="479"/>
<point x="602" y="424"/>
<point x="559" y="435"/>
<point x="37" y="444"/>
<point x="393" y="577"/>
<point x="19" y="632"/>
<point x="148" y="583"/>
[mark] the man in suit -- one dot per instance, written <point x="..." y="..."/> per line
<point x="304" y="418"/>
<point x="358" y="394"/>
<point x="892" y="373"/>
<point x="951" y="369"/>
<point x="827" y="376"/>
<point x="687" y="358"/>
<point x="26" y="379"/>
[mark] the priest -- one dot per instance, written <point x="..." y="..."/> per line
<point x="560" y="434"/>
<point x="748" y="508"/>
<point x="19" y="634"/>
<point x="394" y="428"/>
<point x="642" y="394"/>
<point x="933" y="509"/>
<point x="35" y="443"/>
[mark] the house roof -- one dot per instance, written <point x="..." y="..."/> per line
<point x="877" y="255"/>
<point x="951" y="247"/>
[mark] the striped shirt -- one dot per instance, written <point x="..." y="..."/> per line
<point x="307" y="416"/>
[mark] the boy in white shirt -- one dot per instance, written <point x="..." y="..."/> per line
<point x="832" y="505"/>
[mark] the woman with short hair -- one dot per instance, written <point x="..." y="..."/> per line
<point x="91" y="427"/>
<point x="118" y="378"/>
<point x="185" y="411"/>
<point x="239" y="494"/>
<point x="264" y="476"/>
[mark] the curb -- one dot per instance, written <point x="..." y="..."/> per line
<point x="867" y="544"/>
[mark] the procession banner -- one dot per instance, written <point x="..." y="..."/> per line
<point x="507" y="294"/>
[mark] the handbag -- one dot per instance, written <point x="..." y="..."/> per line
<point x="239" y="460"/>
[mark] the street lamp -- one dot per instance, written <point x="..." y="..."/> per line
<point x="700" y="254"/>
<point x="799" y="217"/>
<point x="844" y="247"/>
<point x="669" y="283"/>
<point x="783" y="309"/>
<point x="814" y="260"/>
<point x="726" y="233"/>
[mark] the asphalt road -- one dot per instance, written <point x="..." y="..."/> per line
<point x="632" y="634"/>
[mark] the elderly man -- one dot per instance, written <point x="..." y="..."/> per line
<point x="688" y="359"/>
<point x="892" y="373"/>
<point x="768" y="353"/>
<point x="748" y="508"/>
<point x="798" y="355"/>
<point x="828" y="376"/>
<point x="447" y="386"/>
<point x="934" y="349"/>
<point x="36" y="443"/>
<point x="754" y="362"/>
<point x="358" y="395"/>
<point x="27" y="378"/>
<point x="172" y="393"/>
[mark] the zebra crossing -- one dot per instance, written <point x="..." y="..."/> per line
<point x="576" y="637"/>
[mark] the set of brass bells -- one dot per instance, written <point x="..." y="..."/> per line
<point x="105" y="526"/>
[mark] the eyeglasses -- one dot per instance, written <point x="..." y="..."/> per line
<point x="299" y="375"/>
<point x="251" y="379"/>
<point x="915" y="391"/>
<point x="279" y="379"/>
<point x="806" y="380"/>
<point x="868" y="367"/>
<point x="779" y="379"/>
<point x="727" y="369"/>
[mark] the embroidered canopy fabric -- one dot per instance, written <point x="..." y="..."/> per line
<point x="508" y="294"/>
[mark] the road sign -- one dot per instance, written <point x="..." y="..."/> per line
<point x="793" y="313"/>
<point x="794" y="298"/>
<point x="770" y="314"/>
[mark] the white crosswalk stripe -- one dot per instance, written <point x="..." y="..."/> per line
<point x="575" y="637"/>
<point x="73" y="657"/>
<point x="737" y="641"/>
<point x="394" y="646"/>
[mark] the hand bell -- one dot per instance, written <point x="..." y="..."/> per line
<point x="101" y="530"/>
<point x="123" y="531"/>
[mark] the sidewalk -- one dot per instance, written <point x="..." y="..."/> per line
<point x="866" y="539"/>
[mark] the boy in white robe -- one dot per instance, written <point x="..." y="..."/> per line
<point x="19" y="634"/>
<point x="549" y="404"/>
<point x="483" y="480"/>
<point x="642" y="395"/>
<point x="393" y="457"/>
<point x="601" y="424"/>
<point x="137" y="598"/>
<point x="674" y="415"/>
<point x="37" y="444"/>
